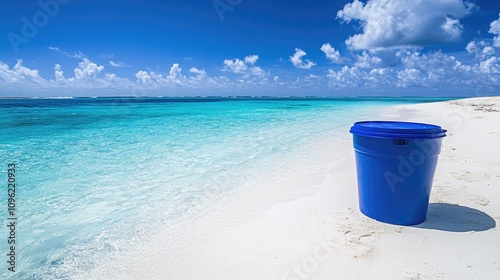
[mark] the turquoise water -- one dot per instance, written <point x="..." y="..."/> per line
<point x="96" y="175"/>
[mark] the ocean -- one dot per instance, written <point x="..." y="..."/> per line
<point x="97" y="177"/>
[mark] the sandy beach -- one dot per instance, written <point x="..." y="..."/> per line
<point x="324" y="236"/>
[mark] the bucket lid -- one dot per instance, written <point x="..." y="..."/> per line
<point x="393" y="129"/>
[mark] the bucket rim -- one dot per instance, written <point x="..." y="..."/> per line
<point x="397" y="129"/>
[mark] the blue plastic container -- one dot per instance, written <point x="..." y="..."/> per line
<point x="395" y="164"/>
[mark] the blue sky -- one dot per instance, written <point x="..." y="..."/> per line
<point x="243" y="47"/>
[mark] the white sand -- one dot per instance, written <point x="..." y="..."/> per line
<point x="324" y="236"/>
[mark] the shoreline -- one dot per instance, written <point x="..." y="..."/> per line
<point x="238" y="97"/>
<point x="324" y="236"/>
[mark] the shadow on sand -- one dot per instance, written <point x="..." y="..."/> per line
<point x="456" y="218"/>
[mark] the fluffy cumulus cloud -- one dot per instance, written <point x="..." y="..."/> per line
<point x="347" y="77"/>
<point x="331" y="53"/>
<point x="59" y="74"/>
<point x="298" y="62"/>
<point x="491" y="66"/>
<point x="480" y="49"/>
<point x="257" y="71"/>
<point x="153" y="79"/>
<point x="420" y="71"/>
<point x="251" y="59"/>
<point x="245" y="66"/>
<point x="401" y="23"/>
<point x="487" y="54"/>
<point x="236" y="66"/>
<point x="366" y="60"/>
<point x="175" y="75"/>
<point x="89" y="75"/>
<point x="18" y="74"/>
<point x="200" y="74"/>
<point x="495" y="29"/>
<point x="87" y="70"/>
<point x="86" y="76"/>
<point x="144" y="78"/>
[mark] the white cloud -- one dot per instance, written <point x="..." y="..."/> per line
<point x="400" y="23"/>
<point x="118" y="64"/>
<point x="175" y="75"/>
<point x="236" y="66"/>
<point x="155" y="80"/>
<point x="110" y="77"/>
<point x="25" y="72"/>
<point x="111" y="80"/>
<point x="495" y="26"/>
<point x="59" y="74"/>
<point x="330" y="52"/>
<point x="197" y="71"/>
<point x="257" y="71"/>
<point x="78" y="54"/>
<point x="347" y="77"/>
<point x="452" y="28"/>
<point x="487" y="69"/>
<point x="495" y="30"/>
<point x="251" y="59"/>
<point x="488" y="51"/>
<point x="472" y="47"/>
<point x="436" y="69"/>
<point x="367" y="61"/>
<point x="481" y="49"/>
<point x="86" y="77"/>
<point x="425" y="72"/>
<point x="200" y="74"/>
<point x="244" y="66"/>
<point x="87" y="70"/>
<point x="409" y="77"/>
<point x="297" y="61"/>
<point x="490" y="65"/>
<point x="144" y="78"/>
<point x="430" y="71"/>
<point x="19" y="74"/>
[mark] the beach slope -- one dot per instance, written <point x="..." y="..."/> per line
<point x="325" y="236"/>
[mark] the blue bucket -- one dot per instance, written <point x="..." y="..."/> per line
<point x="395" y="163"/>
